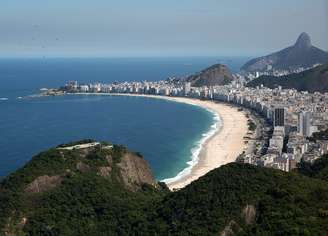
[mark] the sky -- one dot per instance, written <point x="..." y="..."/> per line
<point x="163" y="28"/>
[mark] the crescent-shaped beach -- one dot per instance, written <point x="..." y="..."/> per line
<point x="221" y="148"/>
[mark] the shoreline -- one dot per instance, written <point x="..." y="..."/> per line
<point x="198" y="149"/>
<point x="219" y="148"/>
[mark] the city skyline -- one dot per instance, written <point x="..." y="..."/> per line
<point x="157" y="29"/>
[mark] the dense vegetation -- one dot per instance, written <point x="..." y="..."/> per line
<point x="87" y="203"/>
<point x="286" y="203"/>
<point x="321" y="135"/>
<point x="84" y="203"/>
<point x="251" y="125"/>
<point x="318" y="169"/>
<point x="314" y="80"/>
<point x="217" y="74"/>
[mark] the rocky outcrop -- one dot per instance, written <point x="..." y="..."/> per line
<point x="83" y="168"/>
<point x="249" y="214"/>
<point x="135" y="171"/>
<point x="230" y="229"/>
<point x="233" y="228"/>
<point x="301" y="54"/>
<point x="129" y="169"/>
<point x="43" y="183"/>
<point x="214" y="75"/>
<point x="105" y="171"/>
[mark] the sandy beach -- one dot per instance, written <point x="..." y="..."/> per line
<point x="222" y="147"/>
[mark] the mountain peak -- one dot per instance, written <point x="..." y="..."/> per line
<point x="301" y="54"/>
<point x="304" y="40"/>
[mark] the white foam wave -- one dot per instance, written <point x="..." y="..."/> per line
<point x="197" y="148"/>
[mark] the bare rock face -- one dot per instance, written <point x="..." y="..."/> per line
<point x="249" y="214"/>
<point x="82" y="167"/>
<point x="135" y="172"/>
<point x="303" y="41"/>
<point x="109" y="160"/>
<point x="105" y="171"/>
<point x="43" y="184"/>
<point x="230" y="229"/>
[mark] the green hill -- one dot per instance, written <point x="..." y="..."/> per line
<point x="214" y="75"/>
<point x="314" y="80"/>
<point x="104" y="190"/>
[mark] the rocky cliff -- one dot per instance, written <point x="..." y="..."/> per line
<point x="67" y="168"/>
<point x="301" y="54"/>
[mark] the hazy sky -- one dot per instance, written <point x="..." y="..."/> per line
<point x="158" y="27"/>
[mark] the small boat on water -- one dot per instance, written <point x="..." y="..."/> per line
<point x="3" y="99"/>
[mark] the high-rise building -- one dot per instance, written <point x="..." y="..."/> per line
<point x="187" y="88"/>
<point x="279" y="116"/>
<point x="304" y="123"/>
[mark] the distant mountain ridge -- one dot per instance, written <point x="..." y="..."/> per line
<point x="313" y="80"/>
<point x="217" y="74"/>
<point x="301" y="54"/>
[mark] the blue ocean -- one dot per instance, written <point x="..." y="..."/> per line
<point x="165" y="132"/>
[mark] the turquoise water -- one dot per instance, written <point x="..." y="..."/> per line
<point x="164" y="132"/>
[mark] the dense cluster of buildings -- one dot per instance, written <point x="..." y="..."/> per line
<point x="270" y="71"/>
<point x="294" y="116"/>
